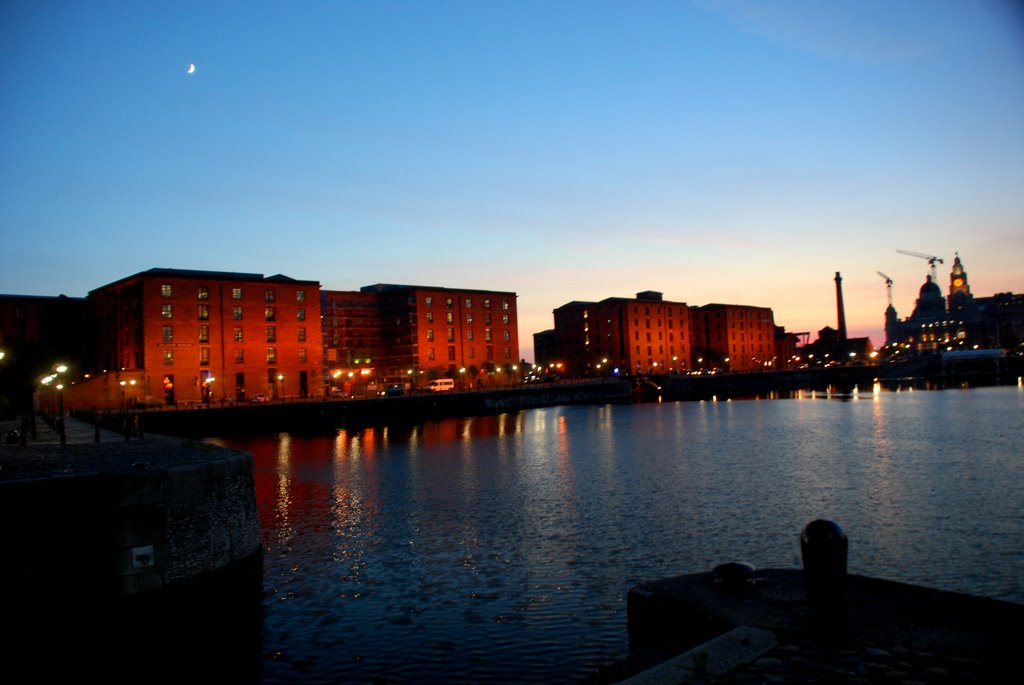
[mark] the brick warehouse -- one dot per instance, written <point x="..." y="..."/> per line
<point x="428" y="332"/>
<point x="171" y="336"/>
<point x="734" y="337"/>
<point x="646" y="334"/>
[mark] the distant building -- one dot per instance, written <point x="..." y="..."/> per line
<point x="786" y="347"/>
<point x="54" y="326"/>
<point x="173" y="336"/>
<point x="645" y="334"/>
<point x="733" y="337"/>
<point x="426" y="332"/>
<point x="957" y="321"/>
<point x="353" y="338"/>
<point x="544" y="348"/>
<point x="36" y="334"/>
<point x="1002" y="320"/>
<point x="832" y="348"/>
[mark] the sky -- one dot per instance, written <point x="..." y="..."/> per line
<point x="725" y="151"/>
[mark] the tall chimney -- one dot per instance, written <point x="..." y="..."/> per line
<point x="839" y="308"/>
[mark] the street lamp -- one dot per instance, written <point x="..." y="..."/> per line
<point x="60" y="370"/>
<point x="280" y="377"/>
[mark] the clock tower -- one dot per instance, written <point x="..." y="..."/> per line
<point x="958" y="280"/>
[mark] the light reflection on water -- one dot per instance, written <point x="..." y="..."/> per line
<point x="501" y="548"/>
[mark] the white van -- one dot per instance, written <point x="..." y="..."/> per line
<point x="441" y="385"/>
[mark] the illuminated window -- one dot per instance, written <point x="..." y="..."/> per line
<point x="236" y="293"/>
<point x="238" y="334"/>
<point x="487" y="334"/>
<point x="165" y="290"/>
<point x="504" y="305"/>
<point x="487" y="303"/>
<point x="302" y="334"/>
<point x="301" y="314"/>
<point x="300" y="295"/>
<point x="429" y="301"/>
<point x="204" y="356"/>
<point x="430" y="334"/>
<point x="504" y="318"/>
<point x="451" y="335"/>
<point x="268" y="314"/>
<point x="469" y="303"/>
<point x="204" y="292"/>
<point x="204" y="312"/>
<point x="237" y="313"/>
<point x="165" y="311"/>
<point x="271" y="355"/>
<point x="449" y="317"/>
<point x="268" y="295"/>
<point x="448" y="303"/>
<point x="204" y="333"/>
<point x="168" y="357"/>
<point x="469" y="317"/>
<point x="271" y="334"/>
<point x="430" y="317"/>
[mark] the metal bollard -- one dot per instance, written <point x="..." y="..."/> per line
<point x="823" y="548"/>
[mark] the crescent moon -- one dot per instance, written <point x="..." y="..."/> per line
<point x="191" y="69"/>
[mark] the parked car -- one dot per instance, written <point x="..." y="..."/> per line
<point x="394" y="390"/>
<point x="259" y="397"/>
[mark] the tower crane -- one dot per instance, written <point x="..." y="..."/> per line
<point x="888" y="286"/>
<point x="931" y="260"/>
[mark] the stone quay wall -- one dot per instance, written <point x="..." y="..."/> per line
<point x="102" y="522"/>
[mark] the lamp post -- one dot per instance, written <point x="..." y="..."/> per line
<point x="61" y="369"/>
<point x="280" y="378"/>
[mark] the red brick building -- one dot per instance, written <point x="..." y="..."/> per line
<point x="36" y="334"/>
<point x="353" y="341"/>
<point x="169" y="336"/>
<point x="423" y="332"/>
<point x="733" y="337"/>
<point x="646" y="334"/>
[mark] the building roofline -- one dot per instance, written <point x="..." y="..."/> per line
<point x="201" y="273"/>
<point x="62" y="296"/>
<point x="397" y="287"/>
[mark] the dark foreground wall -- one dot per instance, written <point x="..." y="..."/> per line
<point x="100" y="523"/>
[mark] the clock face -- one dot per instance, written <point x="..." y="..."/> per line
<point x="958" y="282"/>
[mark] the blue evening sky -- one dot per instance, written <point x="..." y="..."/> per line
<point x="716" y="151"/>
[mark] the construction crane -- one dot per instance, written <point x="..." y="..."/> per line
<point x="888" y="286"/>
<point x="931" y="261"/>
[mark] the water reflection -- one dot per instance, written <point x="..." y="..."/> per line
<point x="500" y="548"/>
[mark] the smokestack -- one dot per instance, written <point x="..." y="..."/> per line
<point x="839" y="308"/>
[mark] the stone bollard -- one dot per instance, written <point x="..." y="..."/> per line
<point x="823" y="547"/>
